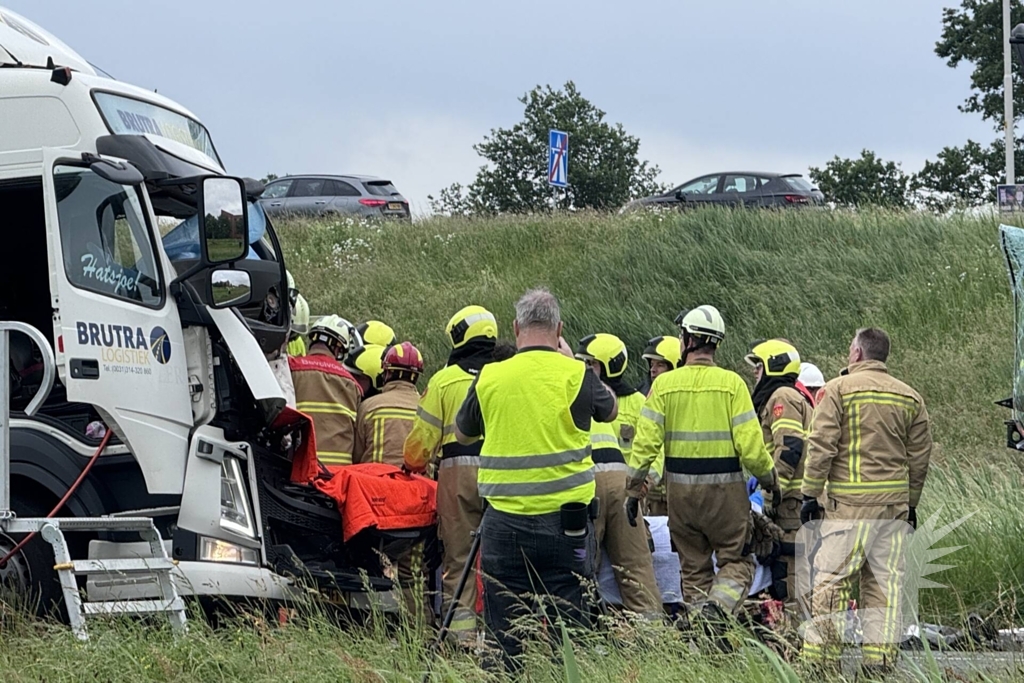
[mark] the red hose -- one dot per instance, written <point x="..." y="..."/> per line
<point x="71" y="491"/>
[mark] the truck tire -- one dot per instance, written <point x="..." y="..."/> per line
<point x="29" y="575"/>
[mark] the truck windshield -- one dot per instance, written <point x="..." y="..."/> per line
<point x="128" y="116"/>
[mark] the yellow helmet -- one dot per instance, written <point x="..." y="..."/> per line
<point x="667" y="349"/>
<point x="703" y="321"/>
<point x="367" y="360"/>
<point x="300" y="319"/>
<point x="472" y="322"/>
<point x="777" y="356"/>
<point x="376" y="332"/>
<point x="606" y="349"/>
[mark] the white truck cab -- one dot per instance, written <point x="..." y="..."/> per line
<point x="159" y="283"/>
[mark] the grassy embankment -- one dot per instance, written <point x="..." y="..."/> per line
<point x="937" y="285"/>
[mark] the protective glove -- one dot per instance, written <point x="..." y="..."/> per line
<point x="632" y="506"/>
<point x="810" y="509"/>
<point x="770" y="483"/>
<point x="765" y="539"/>
<point x="912" y="518"/>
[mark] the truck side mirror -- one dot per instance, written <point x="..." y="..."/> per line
<point x="223" y="220"/>
<point x="680" y="196"/>
<point x="229" y="287"/>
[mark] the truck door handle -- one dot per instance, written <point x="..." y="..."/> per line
<point x="276" y="203"/>
<point x="85" y="369"/>
<point x="320" y="202"/>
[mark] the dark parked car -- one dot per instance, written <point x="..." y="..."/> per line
<point x="736" y="189"/>
<point x="319" y="195"/>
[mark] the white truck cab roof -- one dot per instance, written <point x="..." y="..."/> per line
<point x="24" y="43"/>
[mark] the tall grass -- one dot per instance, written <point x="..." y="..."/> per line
<point x="937" y="285"/>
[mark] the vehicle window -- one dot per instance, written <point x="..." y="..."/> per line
<point x="277" y="190"/>
<point x="705" y="185"/>
<point x="741" y="184"/>
<point x="309" y="187"/>
<point x="105" y="237"/>
<point x="338" y="188"/>
<point x="380" y="188"/>
<point x="764" y="181"/>
<point x="798" y="183"/>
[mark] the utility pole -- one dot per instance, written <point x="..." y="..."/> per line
<point x="1008" y="93"/>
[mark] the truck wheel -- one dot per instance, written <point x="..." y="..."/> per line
<point x="29" y="575"/>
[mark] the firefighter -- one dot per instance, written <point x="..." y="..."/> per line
<point x="812" y="378"/>
<point x="784" y="409"/>
<point x="376" y="332"/>
<point x="382" y="425"/>
<point x="472" y="333"/>
<point x="326" y="391"/>
<point x="699" y="427"/>
<point x="536" y="473"/>
<point x="610" y="446"/>
<point x="385" y="420"/>
<point x="300" y="327"/>
<point x="365" y="364"/>
<point x="662" y="354"/>
<point x="871" y="444"/>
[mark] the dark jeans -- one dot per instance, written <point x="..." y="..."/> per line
<point x="522" y="556"/>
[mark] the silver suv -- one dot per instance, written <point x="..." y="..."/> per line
<point x="324" y="195"/>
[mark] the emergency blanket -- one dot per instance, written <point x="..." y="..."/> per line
<point x="378" y="496"/>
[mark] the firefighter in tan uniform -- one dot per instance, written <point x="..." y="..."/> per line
<point x="784" y="409"/>
<point x="472" y="332"/>
<point x="385" y="420"/>
<point x="869" y="450"/>
<point x="699" y="426"/>
<point x="383" y="423"/>
<point x="327" y="392"/>
<point x="625" y="544"/>
<point x="662" y="354"/>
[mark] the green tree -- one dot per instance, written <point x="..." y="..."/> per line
<point x="267" y="178"/>
<point x="960" y="177"/>
<point x="973" y="33"/>
<point x="865" y="181"/>
<point x="604" y="168"/>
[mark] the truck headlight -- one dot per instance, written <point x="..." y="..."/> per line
<point x="216" y="550"/>
<point x="235" y="514"/>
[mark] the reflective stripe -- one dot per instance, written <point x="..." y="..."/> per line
<point x="698" y="436"/>
<point x="603" y="438"/>
<point x="477" y="317"/>
<point x="611" y="467"/>
<point x="532" y="462"/>
<point x="429" y="419"/>
<point x="537" y="488"/>
<point x="720" y="478"/>
<point x="788" y="485"/>
<point x="727" y="593"/>
<point x="865" y="487"/>
<point x="324" y="408"/>
<point x="460" y="461"/>
<point x="448" y="431"/>
<point x="786" y="423"/>
<point x="744" y="417"/>
<point x="652" y="415"/>
<point x="880" y="398"/>
<point x="400" y="413"/>
<point x="334" y="457"/>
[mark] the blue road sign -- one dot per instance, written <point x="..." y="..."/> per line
<point x="558" y="158"/>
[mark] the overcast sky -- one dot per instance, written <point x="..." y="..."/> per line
<point x="403" y="89"/>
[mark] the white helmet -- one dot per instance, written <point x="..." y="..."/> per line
<point x="704" y="321"/>
<point x="811" y="376"/>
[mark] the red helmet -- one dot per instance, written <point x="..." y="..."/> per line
<point x="403" y="358"/>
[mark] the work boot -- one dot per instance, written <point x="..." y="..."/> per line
<point x="715" y="624"/>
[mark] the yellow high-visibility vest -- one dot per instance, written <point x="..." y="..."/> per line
<point x="534" y="458"/>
